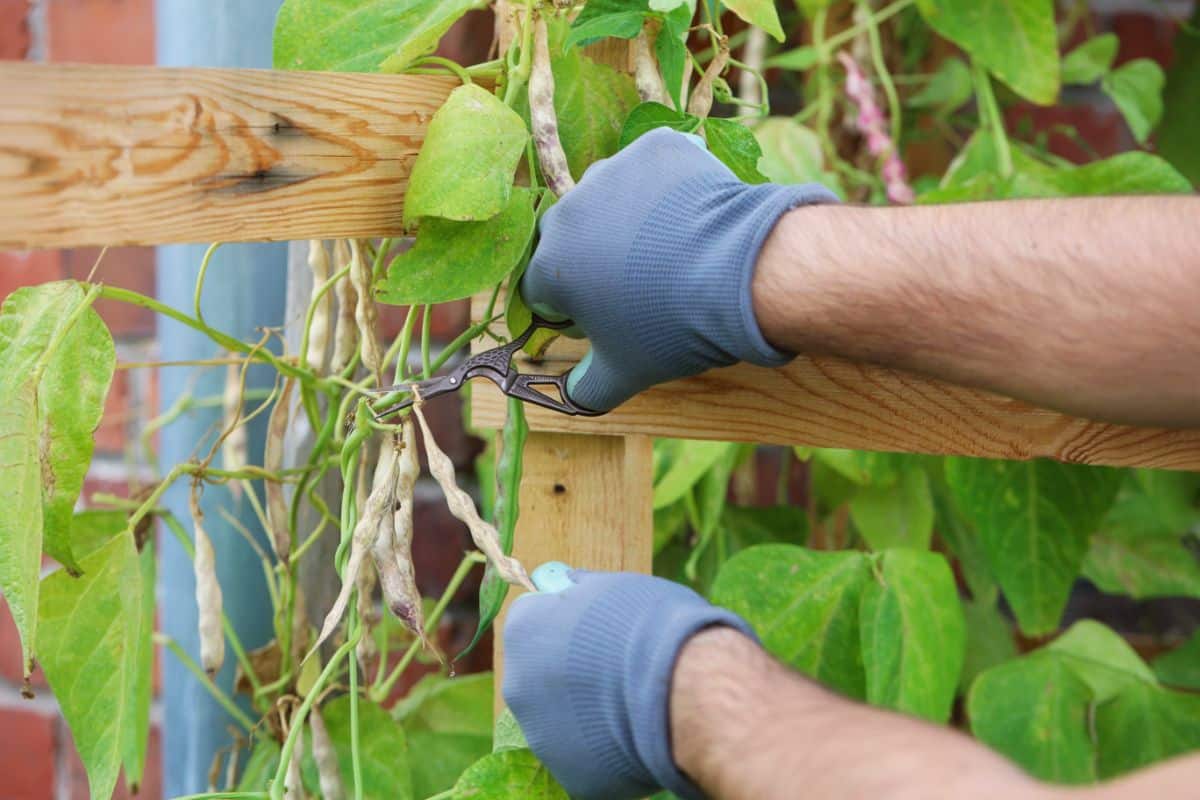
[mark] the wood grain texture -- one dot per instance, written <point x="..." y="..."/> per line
<point x="585" y="501"/>
<point x="834" y="403"/>
<point x="93" y="155"/>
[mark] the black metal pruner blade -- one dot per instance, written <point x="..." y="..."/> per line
<point x="496" y="365"/>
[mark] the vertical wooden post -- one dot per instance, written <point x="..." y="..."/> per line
<point x="585" y="500"/>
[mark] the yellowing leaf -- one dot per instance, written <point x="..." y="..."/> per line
<point x="34" y="324"/>
<point x="70" y="404"/>
<point x="90" y="643"/>
<point x="466" y="166"/>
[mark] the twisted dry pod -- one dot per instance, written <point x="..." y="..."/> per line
<point x="372" y="517"/>
<point x="702" y="96"/>
<point x="393" y="549"/>
<point x="543" y="118"/>
<point x="463" y="508"/>
<point x="277" y="509"/>
<point x="366" y="314"/>
<point x="345" y="338"/>
<point x="322" y="319"/>
<point x="208" y="593"/>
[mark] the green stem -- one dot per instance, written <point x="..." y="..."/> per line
<point x="285" y="755"/>
<point x="990" y="109"/>
<point x="223" y="339"/>
<point x="883" y="14"/>
<point x="885" y="77"/>
<point x="355" y="757"/>
<point x="517" y="78"/>
<point x="403" y="345"/>
<point x="205" y="681"/>
<point x="445" y="63"/>
<point x="204" y="262"/>
<point x="426" y="341"/>
<point x="380" y="692"/>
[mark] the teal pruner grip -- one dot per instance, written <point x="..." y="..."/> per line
<point x="552" y="577"/>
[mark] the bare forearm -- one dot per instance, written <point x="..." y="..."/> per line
<point x="745" y="727"/>
<point x="1090" y="306"/>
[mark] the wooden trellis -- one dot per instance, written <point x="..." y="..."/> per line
<point x="142" y="155"/>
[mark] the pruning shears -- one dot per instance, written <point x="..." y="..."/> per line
<point x="496" y="365"/>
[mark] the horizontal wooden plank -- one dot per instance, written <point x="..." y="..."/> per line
<point x="98" y="155"/>
<point x="834" y="403"/>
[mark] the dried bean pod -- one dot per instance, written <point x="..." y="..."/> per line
<point x="366" y="314"/>
<point x="368" y="612"/>
<point x="463" y="508"/>
<point x="328" y="772"/>
<point x="277" y="508"/>
<point x="370" y="521"/>
<point x="543" y="118"/>
<point x="646" y="74"/>
<point x="233" y="446"/>
<point x="322" y="322"/>
<point x="393" y="548"/>
<point x="345" y="339"/>
<point x="208" y="593"/>
<point x="702" y="96"/>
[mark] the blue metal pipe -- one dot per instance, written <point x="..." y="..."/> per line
<point x="244" y="291"/>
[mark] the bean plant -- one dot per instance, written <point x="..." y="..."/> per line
<point x="934" y="586"/>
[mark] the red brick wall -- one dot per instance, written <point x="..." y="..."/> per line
<point x="37" y="760"/>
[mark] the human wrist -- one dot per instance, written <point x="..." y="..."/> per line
<point x="717" y="694"/>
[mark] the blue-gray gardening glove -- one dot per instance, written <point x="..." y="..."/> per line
<point x="652" y="255"/>
<point x="587" y="673"/>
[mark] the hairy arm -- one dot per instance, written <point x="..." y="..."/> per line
<point x="744" y="727"/>
<point x="1090" y="306"/>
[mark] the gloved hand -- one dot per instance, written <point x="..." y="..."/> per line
<point x="587" y="673"/>
<point x="652" y="255"/>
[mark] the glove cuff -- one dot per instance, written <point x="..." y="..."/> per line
<point x="772" y="201"/>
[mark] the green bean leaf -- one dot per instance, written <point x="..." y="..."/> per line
<point x="1101" y="658"/>
<point x="362" y="35"/>
<point x="600" y="19"/>
<point x="1035" y="710"/>
<point x="508" y="774"/>
<point x="734" y="144"/>
<point x="689" y="461"/>
<point x="383" y="754"/>
<point x="760" y="13"/>
<point x="1143" y="724"/>
<point x="1181" y="667"/>
<point x="648" y="116"/>
<point x="804" y="606"/>
<point x="1136" y="88"/>
<point x="508" y="734"/>
<point x="1091" y="60"/>
<point x="913" y="634"/>
<point x="466" y="166"/>
<point x="1015" y="39"/>
<point x="896" y="516"/>
<point x="1034" y="519"/>
<point x="448" y="723"/>
<point x="452" y="260"/>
